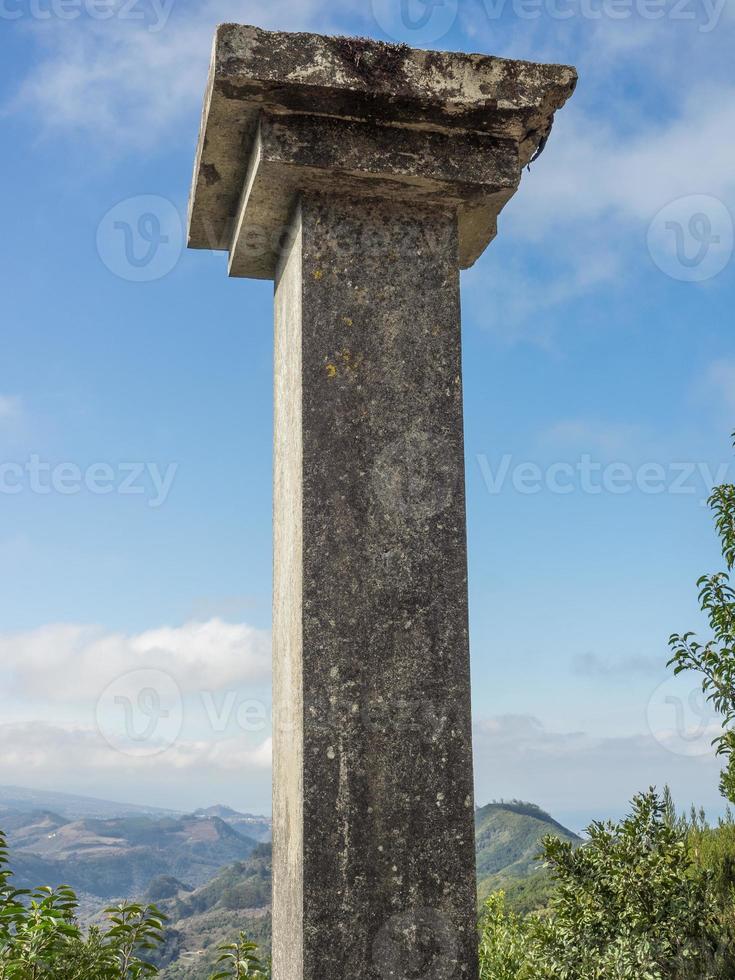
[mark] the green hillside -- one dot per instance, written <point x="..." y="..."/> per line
<point x="508" y="841"/>
<point x="508" y="836"/>
<point x="237" y="898"/>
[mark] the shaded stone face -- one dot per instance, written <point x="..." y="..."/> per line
<point x="370" y="538"/>
<point x="361" y="177"/>
<point x="295" y="153"/>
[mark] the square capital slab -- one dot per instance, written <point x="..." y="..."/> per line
<point x="285" y="113"/>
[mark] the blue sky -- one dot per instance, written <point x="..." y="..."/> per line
<point x="599" y="384"/>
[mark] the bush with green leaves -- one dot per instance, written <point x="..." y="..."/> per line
<point x="41" y="937"/>
<point x="630" y="903"/>
<point x="712" y="849"/>
<point x="506" y="941"/>
<point x="714" y="660"/>
<point x="240" y="960"/>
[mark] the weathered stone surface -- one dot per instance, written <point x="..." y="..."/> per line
<point x="477" y="102"/>
<point x="374" y="865"/>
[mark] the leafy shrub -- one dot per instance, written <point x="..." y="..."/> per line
<point x="505" y="941"/>
<point x="240" y="960"/>
<point x="714" y="660"/>
<point x="630" y="903"/>
<point x="40" y="936"/>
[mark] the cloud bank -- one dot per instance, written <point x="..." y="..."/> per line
<point x="181" y="715"/>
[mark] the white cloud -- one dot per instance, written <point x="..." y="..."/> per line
<point x="190" y="773"/>
<point x="578" y="225"/>
<point x="591" y="171"/>
<point x="586" y="435"/>
<point x="516" y="301"/>
<point x="594" y="666"/>
<point x="73" y="664"/>
<point x="128" y="82"/>
<point x="183" y="710"/>
<point x="39" y="746"/>
<point x="11" y="410"/>
<point x="719" y="381"/>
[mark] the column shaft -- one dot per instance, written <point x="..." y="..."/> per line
<point x="373" y="800"/>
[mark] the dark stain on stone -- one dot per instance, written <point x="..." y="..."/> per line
<point x="229" y="89"/>
<point x="372" y="60"/>
<point x="438" y="62"/>
<point x="539" y="150"/>
<point x="434" y="61"/>
<point x="210" y="174"/>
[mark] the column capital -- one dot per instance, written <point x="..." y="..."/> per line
<point x="290" y="112"/>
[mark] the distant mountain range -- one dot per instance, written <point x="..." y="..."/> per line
<point x="16" y="798"/>
<point x="118" y="858"/>
<point x="259" y="828"/>
<point x="73" y="807"/>
<point x="108" y="851"/>
<point x="210" y="871"/>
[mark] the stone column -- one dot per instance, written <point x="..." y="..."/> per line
<point x="362" y="177"/>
